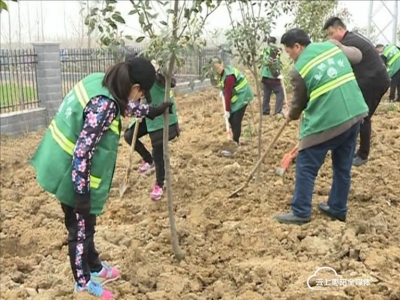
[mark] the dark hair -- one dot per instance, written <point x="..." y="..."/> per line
<point x="130" y="56"/>
<point x="379" y="46"/>
<point x="295" y="36"/>
<point x="272" y="40"/>
<point x="120" y="78"/>
<point x="334" y="22"/>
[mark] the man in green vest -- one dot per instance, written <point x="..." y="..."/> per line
<point x="237" y="94"/>
<point x="75" y="161"/>
<point x="155" y="129"/>
<point x="327" y="96"/>
<point x="271" y="74"/>
<point x="391" y="57"/>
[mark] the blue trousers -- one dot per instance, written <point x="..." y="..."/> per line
<point x="308" y="163"/>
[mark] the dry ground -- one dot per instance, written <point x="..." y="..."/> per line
<point x="234" y="248"/>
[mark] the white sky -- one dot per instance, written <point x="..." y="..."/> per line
<point x="61" y="19"/>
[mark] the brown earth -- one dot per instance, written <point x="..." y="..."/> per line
<point x="234" y="248"/>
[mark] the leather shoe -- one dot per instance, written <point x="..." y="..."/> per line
<point x="290" y="218"/>
<point x="325" y="209"/>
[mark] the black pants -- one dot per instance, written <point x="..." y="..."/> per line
<point x="372" y="96"/>
<point x="395" y="84"/>
<point x="235" y="120"/>
<point x="157" y="155"/>
<point x="83" y="255"/>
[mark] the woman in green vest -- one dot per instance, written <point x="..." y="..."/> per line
<point x="76" y="158"/>
<point x="327" y="97"/>
<point x="237" y="94"/>
<point x="154" y="128"/>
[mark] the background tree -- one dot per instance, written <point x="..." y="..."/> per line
<point x="312" y="15"/>
<point x="363" y="30"/>
<point x="169" y="38"/>
<point x="247" y="36"/>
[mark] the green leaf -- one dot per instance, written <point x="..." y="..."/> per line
<point x="94" y="11"/>
<point x="187" y="13"/>
<point x="111" y="2"/>
<point x="140" y="39"/>
<point x="170" y="11"/>
<point x="129" y="37"/>
<point x="133" y="12"/>
<point x="141" y="18"/>
<point x="164" y="23"/>
<point x="118" y="18"/>
<point x="3" y="5"/>
<point x="100" y="28"/>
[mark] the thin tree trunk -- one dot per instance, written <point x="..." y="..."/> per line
<point x="178" y="252"/>
<point x="255" y="73"/>
<point x="29" y="24"/>
<point x="89" y="34"/>
<point x="9" y="26"/>
<point x="41" y="19"/>
<point x="19" y="25"/>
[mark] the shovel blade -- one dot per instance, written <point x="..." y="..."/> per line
<point x="280" y="171"/>
<point x="122" y="188"/>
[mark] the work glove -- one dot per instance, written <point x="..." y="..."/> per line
<point x="280" y="76"/>
<point x="82" y="204"/>
<point x="227" y="115"/>
<point x="159" y="110"/>
<point x="221" y="94"/>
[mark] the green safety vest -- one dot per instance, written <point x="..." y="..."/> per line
<point x="242" y="94"/>
<point x="53" y="157"/>
<point x="157" y="93"/>
<point x="265" y="69"/>
<point x="332" y="90"/>
<point x="392" y="54"/>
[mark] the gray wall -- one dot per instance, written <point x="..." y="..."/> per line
<point x="50" y="93"/>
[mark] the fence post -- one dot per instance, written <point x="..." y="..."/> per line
<point x="48" y="72"/>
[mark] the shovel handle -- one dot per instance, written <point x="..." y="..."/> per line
<point x="133" y="144"/>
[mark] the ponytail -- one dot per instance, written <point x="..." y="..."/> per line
<point x="118" y="83"/>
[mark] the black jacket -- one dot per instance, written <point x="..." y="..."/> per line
<point x="371" y="71"/>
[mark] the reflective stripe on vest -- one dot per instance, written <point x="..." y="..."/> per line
<point x="240" y="85"/>
<point x="68" y="146"/>
<point x="327" y="87"/>
<point x="318" y="59"/>
<point x="392" y="59"/>
<point x="83" y="99"/>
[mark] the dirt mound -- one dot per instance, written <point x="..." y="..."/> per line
<point x="234" y="248"/>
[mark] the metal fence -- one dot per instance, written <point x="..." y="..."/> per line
<point x="18" y="87"/>
<point x="18" y="78"/>
<point x="78" y="63"/>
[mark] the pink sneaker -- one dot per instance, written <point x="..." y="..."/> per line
<point x="157" y="193"/>
<point x="145" y="167"/>
<point x="95" y="289"/>
<point x="106" y="274"/>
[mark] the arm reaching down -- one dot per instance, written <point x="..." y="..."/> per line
<point x="229" y="84"/>
<point x="300" y="99"/>
<point x="98" y="116"/>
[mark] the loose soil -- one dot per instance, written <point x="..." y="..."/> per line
<point x="234" y="248"/>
